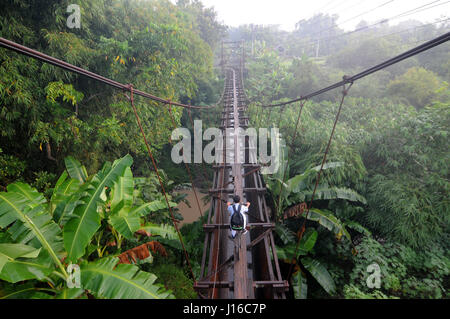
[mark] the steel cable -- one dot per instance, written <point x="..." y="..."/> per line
<point x="150" y="154"/>
<point x="72" y="68"/>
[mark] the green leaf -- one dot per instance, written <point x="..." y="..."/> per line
<point x="297" y="183"/>
<point x="358" y="227"/>
<point x="123" y="190"/>
<point x="308" y="240"/>
<point x="75" y="169"/>
<point x="328" y="220"/>
<point x="64" y="200"/>
<point x="60" y="180"/>
<point x="285" y="234"/>
<point x="26" y="291"/>
<point x="152" y="207"/>
<point x="85" y="220"/>
<point x="35" y="198"/>
<point x="327" y="193"/>
<point x="173" y="243"/>
<point x="320" y="273"/>
<point x="288" y="252"/>
<point x="30" y="221"/>
<point x="126" y="222"/>
<point x="20" y="269"/>
<point x="299" y="285"/>
<point x="163" y="230"/>
<point x="9" y="252"/>
<point x="70" y="293"/>
<point x="108" y="279"/>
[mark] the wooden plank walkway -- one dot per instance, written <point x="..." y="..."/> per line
<point x="252" y="271"/>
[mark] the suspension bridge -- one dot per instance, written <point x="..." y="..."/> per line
<point x="247" y="267"/>
<point x="252" y="270"/>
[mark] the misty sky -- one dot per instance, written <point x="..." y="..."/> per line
<point x="287" y="12"/>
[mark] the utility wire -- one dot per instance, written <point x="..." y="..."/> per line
<point x="328" y="3"/>
<point x="401" y="15"/>
<point x="302" y="22"/>
<point x="365" y="12"/>
<point x="425" y="46"/>
<point x="346" y="9"/>
<point x="405" y="30"/>
<point x="409" y="29"/>
<point x="352" y="18"/>
<point x="337" y="5"/>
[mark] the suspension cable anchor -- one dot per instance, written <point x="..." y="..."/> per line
<point x="346" y="81"/>
<point x="129" y="87"/>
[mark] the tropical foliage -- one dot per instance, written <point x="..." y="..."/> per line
<point x="86" y="222"/>
<point x="383" y="193"/>
<point x="47" y="113"/>
<point x="383" y="190"/>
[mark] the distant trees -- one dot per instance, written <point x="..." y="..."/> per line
<point x="47" y="113"/>
<point x="203" y="20"/>
<point x="268" y="76"/>
<point x="308" y="76"/>
<point x="393" y="138"/>
<point x="417" y="86"/>
<point x="312" y="36"/>
<point x="364" y="54"/>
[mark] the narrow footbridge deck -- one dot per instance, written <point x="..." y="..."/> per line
<point x="252" y="269"/>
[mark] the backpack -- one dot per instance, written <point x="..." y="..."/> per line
<point x="237" y="220"/>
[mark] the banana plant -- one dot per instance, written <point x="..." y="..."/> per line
<point x="40" y="239"/>
<point x="303" y="263"/>
<point x="300" y="188"/>
<point x="126" y="219"/>
<point x="289" y="198"/>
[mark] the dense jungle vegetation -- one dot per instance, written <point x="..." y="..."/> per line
<point x="76" y="185"/>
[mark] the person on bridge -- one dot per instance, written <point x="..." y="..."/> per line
<point x="238" y="222"/>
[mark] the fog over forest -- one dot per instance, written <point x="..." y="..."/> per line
<point x="358" y="209"/>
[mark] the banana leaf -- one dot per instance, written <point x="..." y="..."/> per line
<point x="123" y="190"/>
<point x="299" y="285"/>
<point x="152" y="207"/>
<point x="85" y="220"/>
<point x="35" y="198"/>
<point x="21" y="268"/>
<point x="64" y="198"/>
<point x="10" y="252"/>
<point x="108" y="279"/>
<point x="285" y="234"/>
<point x="329" y="221"/>
<point x="287" y="253"/>
<point x="25" y="291"/>
<point x="70" y="293"/>
<point x="28" y="220"/>
<point x="309" y="239"/>
<point x="327" y="193"/>
<point x="125" y="222"/>
<point x="320" y="273"/>
<point x="163" y="230"/>
<point x="75" y="169"/>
